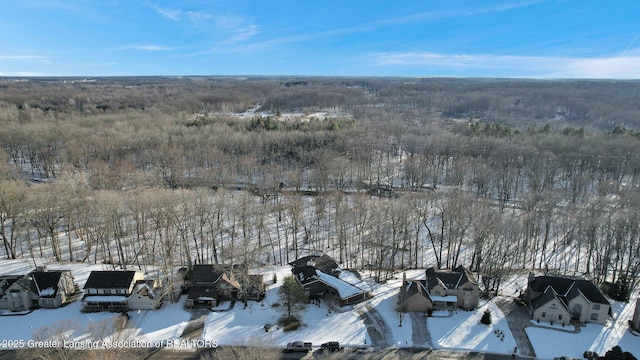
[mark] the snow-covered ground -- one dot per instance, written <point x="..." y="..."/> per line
<point x="598" y="338"/>
<point x="321" y="323"/>
<point x="247" y="325"/>
<point x="463" y="330"/>
<point x="151" y="326"/>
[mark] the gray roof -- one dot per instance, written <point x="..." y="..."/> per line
<point x="545" y="298"/>
<point x="48" y="279"/>
<point x="451" y="279"/>
<point x="569" y="287"/>
<point x="206" y="274"/>
<point x="109" y="279"/>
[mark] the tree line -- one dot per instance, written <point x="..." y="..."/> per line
<point x="390" y="184"/>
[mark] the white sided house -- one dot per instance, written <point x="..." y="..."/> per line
<point x="120" y="291"/>
<point x="38" y="289"/>
<point x="146" y="295"/>
<point x="440" y="290"/>
<point x="561" y="299"/>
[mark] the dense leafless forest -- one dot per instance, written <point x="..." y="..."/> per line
<point x="384" y="174"/>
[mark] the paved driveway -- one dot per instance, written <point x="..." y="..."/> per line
<point x="517" y="318"/>
<point x="377" y="328"/>
<point x="420" y="333"/>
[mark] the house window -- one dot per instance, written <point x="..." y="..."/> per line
<point x="544" y="314"/>
<point x="14" y="294"/>
<point x="47" y="302"/>
<point x="113" y="291"/>
<point x="92" y="291"/>
<point x="100" y="291"/>
<point x="596" y="307"/>
<point x="554" y="306"/>
<point x="559" y="316"/>
<point x="121" y="291"/>
<point x="594" y="317"/>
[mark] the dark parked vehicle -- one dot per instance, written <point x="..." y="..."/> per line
<point x="331" y="346"/>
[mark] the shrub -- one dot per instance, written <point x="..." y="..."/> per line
<point x="486" y="317"/>
<point x="289" y="324"/>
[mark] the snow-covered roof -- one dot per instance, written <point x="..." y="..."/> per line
<point x="144" y="285"/>
<point x="48" y="291"/>
<point x="353" y="279"/>
<point x="344" y="289"/>
<point x="448" y="298"/>
<point x="105" y="298"/>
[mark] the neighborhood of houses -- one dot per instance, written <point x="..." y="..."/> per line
<point x="550" y="299"/>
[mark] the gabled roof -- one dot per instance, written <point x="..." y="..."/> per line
<point x="46" y="282"/>
<point x="231" y="280"/>
<point x="323" y="263"/>
<point x="545" y="298"/>
<point x="417" y="287"/>
<point x="206" y="274"/>
<point x="25" y="283"/>
<point x="144" y="288"/>
<point x="324" y="269"/>
<point x="305" y="274"/>
<point x="7" y="280"/>
<point x="109" y="279"/>
<point x="568" y="287"/>
<point x="449" y="279"/>
<point x="344" y="289"/>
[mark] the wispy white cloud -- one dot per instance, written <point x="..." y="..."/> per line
<point x="231" y="28"/>
<point x="179" y="14"/>
<point x="369" y="26"/>
<point x="147" y="47"/>
<point x="167" y="13"/>
<point x="36" y="58"/>
<point x="456" y="13"/>
<point x="618" y="67"/>
<point x="242" y="34"/>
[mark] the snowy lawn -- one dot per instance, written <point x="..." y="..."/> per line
<point x="166" y="323"/>
<point x="599" y="338"/>
<point x="246" y="325"/>
<point x="463" y="330"/>
<point x="385" y="301"/>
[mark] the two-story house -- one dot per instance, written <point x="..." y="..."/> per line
<point x="561" y="299"/>
<point x="40" y="288"/>
<point x="109" y="290"/>
<point x="440" y="289"/>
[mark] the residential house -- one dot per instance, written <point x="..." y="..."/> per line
<point x="40" y="288"/>
<point x="440" y="290"/>
<point x="209" y="285"/>
<point x="54" y="288"/>
<point x="17" y="293"/>
<point x="561" y="299"/>
<point x="320" y="275"/>
<point x="635" y="322"/>
<point x="146" y="295"/>
<point x="109" y="290"/>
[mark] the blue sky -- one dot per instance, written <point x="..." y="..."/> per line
<point x="423" y="38"/>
